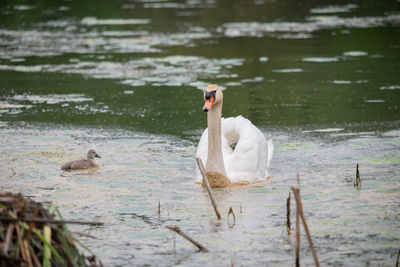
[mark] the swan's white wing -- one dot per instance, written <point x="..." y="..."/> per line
<point x="270" y="147"/>
<point x="201" y="153"/>
<point x="248" y="161"/>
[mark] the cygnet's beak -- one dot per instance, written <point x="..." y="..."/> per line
<point x="97" y="156"/>
<point x="208" y="104"/>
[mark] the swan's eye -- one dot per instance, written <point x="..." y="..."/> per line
<point x="208" y="94"/>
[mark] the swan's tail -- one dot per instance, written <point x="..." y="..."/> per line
<point x="270" y="145"/>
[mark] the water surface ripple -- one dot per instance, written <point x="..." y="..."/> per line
<point x="137" y="171"/>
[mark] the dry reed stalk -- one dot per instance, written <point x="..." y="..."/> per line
<point x="288" y="214"/>
<point x="298" y="229"/>
<point x="10" y="231"/>
<point x="34" y="257"/>
<point x="297" y="237"/>
<point x="296" y="192"/>
<point x="398" y="256"/>
<point x="203" y="173"/>
<point x="27" y="253"/>
<point x="24" y="243"/>
<point x="177" y="230"/>
<point x="19" y="236"/>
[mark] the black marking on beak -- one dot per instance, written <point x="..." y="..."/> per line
<point x="208" y="94"/>
<point x="97" y="156"/>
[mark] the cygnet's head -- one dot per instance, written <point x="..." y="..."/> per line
<point x="212" y="96"/>
<point x="92" y="154"/>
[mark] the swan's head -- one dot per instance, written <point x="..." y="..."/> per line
<point x="212" y="96"/>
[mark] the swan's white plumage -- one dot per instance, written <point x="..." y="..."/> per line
<point x="249" y="161"/>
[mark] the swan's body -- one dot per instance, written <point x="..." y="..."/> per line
<point x="82" y="163"/>
<point x="247" y="162"/>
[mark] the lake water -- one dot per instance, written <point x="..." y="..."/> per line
<point x="126" y="78"/>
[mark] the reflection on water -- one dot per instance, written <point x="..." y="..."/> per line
<point x="302" y="29"/>
<point x="320" y="59"/>
<point x="123" y="77"/>
<point x="334" y="9"/>
<point x="168" y="71"/>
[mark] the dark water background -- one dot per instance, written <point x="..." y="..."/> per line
<point x="320" y="77"/>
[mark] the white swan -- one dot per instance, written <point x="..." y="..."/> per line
<point x="247" y="162"/>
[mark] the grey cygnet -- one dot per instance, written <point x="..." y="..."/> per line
<point x="82" y="163"/>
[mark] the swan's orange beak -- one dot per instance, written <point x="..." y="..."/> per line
<point x="208" y="104"/>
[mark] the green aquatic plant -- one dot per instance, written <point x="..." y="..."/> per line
<point x="357" y="183"/>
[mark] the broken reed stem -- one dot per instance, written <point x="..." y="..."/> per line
<point x="19" y="236"/>
<point x="397" y="261"/>
<point x="288" y="214"/>
<point x="296" y="192"/>
<point x="7" y="242"/>
<point x="44" y="221"/>
<point x="159" y="208"/>
<point x="177" y="230"/>
<point x="27" y="253"/>
<point x="297" y="237"/>
<point x="203" y="173"/>
<point x="298" y="229"/>
<point x="234" y="217"/>
<point x="34" y="257"/>
<point x="357" y="183"/>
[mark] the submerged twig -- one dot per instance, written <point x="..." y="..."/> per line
<point x="288" y="214"/>
<point x="203" y="173"/>
<point x="174" y="245"/>
<point x="357" y="183"/>
<point x="177" y="230"/>
<point x="296" y="192"/>
<point x="83" y="235"/>
<point x="397" y="261"/>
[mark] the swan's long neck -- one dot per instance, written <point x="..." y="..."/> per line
<point x="215" y="160"/>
